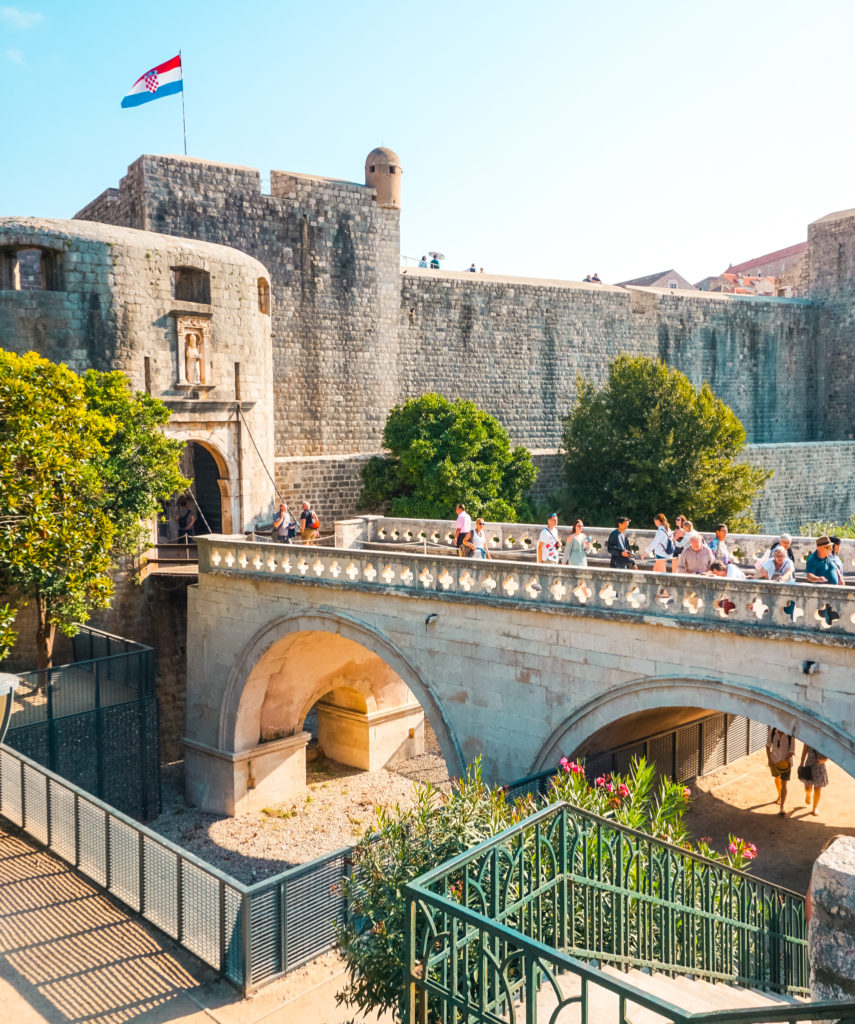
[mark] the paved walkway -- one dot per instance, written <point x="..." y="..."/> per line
<point x="70" y="955"/>
<point x="740" y="799"/>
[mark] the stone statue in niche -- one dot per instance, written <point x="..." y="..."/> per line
<point x="193" y="334"/>
<point x="193" y="359"/>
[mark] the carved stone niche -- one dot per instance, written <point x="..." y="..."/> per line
<point x="193" y="352"/>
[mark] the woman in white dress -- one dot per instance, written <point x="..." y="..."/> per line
<point x="578" y="546"/>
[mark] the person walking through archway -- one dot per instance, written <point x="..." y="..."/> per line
<point x="780" y="750"/>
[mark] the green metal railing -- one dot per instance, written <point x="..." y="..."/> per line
<point x="489" y="928"/>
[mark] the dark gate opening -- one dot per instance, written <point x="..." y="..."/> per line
<point x="201" y="467"/>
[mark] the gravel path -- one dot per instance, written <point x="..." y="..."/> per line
<point x="338" y="805"/>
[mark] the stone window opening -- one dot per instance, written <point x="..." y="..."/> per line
<point x="30" y="268"/>
<point x="190" y="284"/>
<point x="391" y="170"/>
<point x="263" y="296"/>
<point x="371" y="169"/>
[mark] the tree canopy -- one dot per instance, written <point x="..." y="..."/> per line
<point x="648" y="441"/>
<point x="443" y="453"/>
<point x="82" y="460"/>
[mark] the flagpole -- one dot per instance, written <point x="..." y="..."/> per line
<point x="183" y="116"/>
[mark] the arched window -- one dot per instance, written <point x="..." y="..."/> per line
<point x="263" y="296"/>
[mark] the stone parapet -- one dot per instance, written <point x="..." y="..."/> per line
<point x="703" y="602"/>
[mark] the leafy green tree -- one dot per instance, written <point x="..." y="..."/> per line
<point x="648" y="442"/>
<point x="78" y="464"/>
<point x="443" y="453"/>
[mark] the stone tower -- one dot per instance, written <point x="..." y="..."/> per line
<point x="383" y="173"/>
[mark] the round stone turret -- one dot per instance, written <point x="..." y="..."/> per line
<point x="383" y="172"/>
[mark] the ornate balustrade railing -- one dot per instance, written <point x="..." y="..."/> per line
<point x="529" y="907"/>
<point x="794" y="608"/>
<point x="516" y="537"/>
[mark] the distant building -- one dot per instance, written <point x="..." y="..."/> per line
<point x="664" y="279"/>
<point x="777" y="273"/>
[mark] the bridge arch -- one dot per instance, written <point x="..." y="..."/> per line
<point x="650" y="692"/>
<point x="320" y="640"/>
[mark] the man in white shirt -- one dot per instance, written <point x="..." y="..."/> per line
<point x="548" y="542"/>
<point x="778" y="568"/>
<point x="463" y="531"/>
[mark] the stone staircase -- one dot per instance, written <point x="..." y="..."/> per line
<point x="682" y="994"/>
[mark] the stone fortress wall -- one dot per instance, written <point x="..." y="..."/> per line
<point x="121" y="299"/>
<point x="352" y="335"/>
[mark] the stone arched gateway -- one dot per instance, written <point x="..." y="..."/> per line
<point x="700" y="692"/>
<point x="371" y="703"/>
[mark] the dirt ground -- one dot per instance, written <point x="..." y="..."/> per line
<point x="740" y="799"/>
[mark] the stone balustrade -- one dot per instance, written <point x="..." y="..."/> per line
<point x="710" y="601"/>
<point x="513" y="537"/>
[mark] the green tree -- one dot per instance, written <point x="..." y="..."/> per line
<point x="648" y="442"/>
<point x="77" y="467"/>
<point x="443" y="453"/>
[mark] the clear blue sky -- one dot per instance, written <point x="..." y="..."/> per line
<point x="547" y="140"/>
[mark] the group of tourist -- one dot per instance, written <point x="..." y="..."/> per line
<point x="286" y="527"/>
<point x="812" y="770"/>
<point x="690" y="554"/>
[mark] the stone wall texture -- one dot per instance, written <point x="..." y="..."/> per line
<point x="114" y="307"/>
<point x="831" y="933"/>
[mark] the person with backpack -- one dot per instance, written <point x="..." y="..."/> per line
<point x="284" y="525"/>
<point x="662" y="545"/>
<point x="309" y="524"/>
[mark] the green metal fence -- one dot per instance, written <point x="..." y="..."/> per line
<point x="251" y="934"/>
<point x="489" y="927"/>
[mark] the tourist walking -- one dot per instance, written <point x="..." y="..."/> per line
<point x="578" y="546"/>
<point x="462" y="529"/>
<point x="780" y="750"/>
<point x="548" y="542"/>
<point x="814" y="775"/>
<point x="309" y="524"/>
<point x="284" y="525"/>
<point x="618" y="546"/>
<point x="662" y="545"/>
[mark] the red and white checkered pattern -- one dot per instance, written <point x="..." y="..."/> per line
<point x="151" y="81"/>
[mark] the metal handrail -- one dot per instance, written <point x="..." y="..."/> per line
<point x="577" y="884"/>
<point x="544" y="963"/>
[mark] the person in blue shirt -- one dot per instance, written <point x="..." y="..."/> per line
<point x="820" y="567"/>
<point x="835" y="557"/>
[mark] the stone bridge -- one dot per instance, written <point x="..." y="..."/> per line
<point x="516" y="662"/>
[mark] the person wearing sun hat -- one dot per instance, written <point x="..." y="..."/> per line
<point x="820" y="567"/>
<point x="548" y="542"/>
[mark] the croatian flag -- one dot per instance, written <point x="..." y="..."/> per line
<point x="164" y="80"/>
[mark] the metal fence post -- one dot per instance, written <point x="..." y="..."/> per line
<point x="246" y="942"/>
<point x="23" y="798"/>
<point x="141" y="871"/>
<point x="108" y="873"/>
<point x="283" y="926"/>
<point x="99" y="732"/>
<point x="179" y="880"/>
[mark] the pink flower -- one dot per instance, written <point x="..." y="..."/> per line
<point x="623" y="789"/>
<point x="732" y="848"/>
<point x="578" y="769"/>
<point x="687" y="793"/>
<point x="750" y="851"/>
<point x="564" y="762"/>
<point x="600" y="780"/>
<point x="610" y="788"/>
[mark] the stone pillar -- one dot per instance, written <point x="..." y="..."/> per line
<point x="370" y="739"/>
<point x="831" y="933"/>
<point x="234" y="784"/>
<point x="353" y="533"/>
